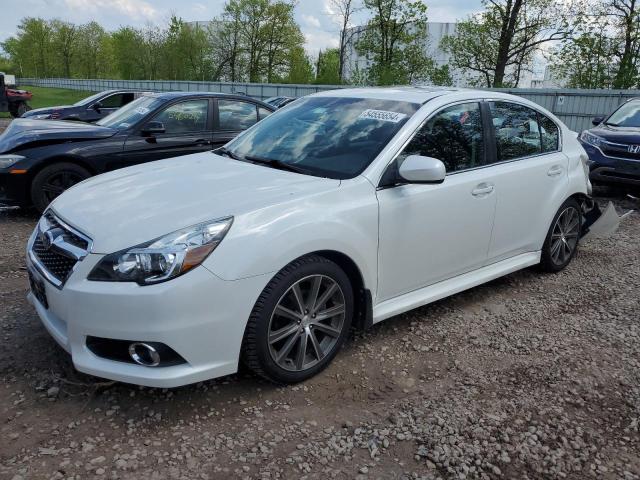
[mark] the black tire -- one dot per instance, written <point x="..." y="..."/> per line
<point x="257" y="351"/>
<point x="17" y="110"/>
<point x="551" y="260"/>
<point x="51" y="181"/>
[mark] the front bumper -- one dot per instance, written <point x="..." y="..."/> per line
<point x="14" y="189"/>
<point x="198" y="315"/>
<point x="608" y="170"/>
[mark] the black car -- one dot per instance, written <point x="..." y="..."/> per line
<point x="88" y="109"/>
<point x="39" y="159"/>
<point x="279" y="102"/>
<point x="613" y="146"/>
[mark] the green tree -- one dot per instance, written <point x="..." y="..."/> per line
<point x="299" y="68"/>
<point x="328" y="68"/>
<point x="64" y="43"/>
<point x="93" y="43"/>
<point x="395" y="41"/>
<point x="495" y="46"/>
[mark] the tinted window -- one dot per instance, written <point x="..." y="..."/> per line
<point x="550" y="134"/>
<point x="517" y="130"/>
<point x="117" y="100"/>
<point x="263" y="113"/>
<point x="236" y="115"/>
<point x="184" y="117"/>
<point x="336" y="137"/>
<point x="454" y="135"/>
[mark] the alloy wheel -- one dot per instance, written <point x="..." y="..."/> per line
<point x="564" y="237"/>
<point x="306" y="323"/>
<point x="58" y="183"/>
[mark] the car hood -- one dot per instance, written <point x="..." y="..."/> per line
<point x="41" y="111"/>
<point x="624" y="135"/>
<point x="23" y="132"/>
<point x="134" y="205"/>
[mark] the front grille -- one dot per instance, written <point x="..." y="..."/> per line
<point x="619" y="151"/>
<point x="58" y="260"/>
<point x="56" y="264"/>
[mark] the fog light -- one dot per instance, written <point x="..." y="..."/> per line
<point x="144" y="354"/>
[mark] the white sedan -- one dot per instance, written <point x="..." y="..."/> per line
<point x="344" y="209"/>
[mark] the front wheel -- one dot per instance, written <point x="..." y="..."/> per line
<point x="563" y="237"/>
<point x="300" y="321"/>
<point x="51" y="181"/>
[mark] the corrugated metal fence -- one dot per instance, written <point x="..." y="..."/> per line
<point x="574" y="107"/>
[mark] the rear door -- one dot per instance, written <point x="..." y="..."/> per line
<point x="187" y="125"/>
<point x="531" y="177"/>
<point x="234" y="116"/>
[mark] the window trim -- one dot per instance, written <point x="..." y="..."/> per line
<point x="216" y="125"/>
<point x="151" y="116"/>
<point x="488" y="153"/>
<point x="491" y="150"/>
<point x="538" y="113"/>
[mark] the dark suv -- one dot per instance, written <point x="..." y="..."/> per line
<point x="88" y="109"/>
<point x="613" y="146"/>
<point x="39" y="159"/>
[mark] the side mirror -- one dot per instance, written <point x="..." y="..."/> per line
<point x="152" y="128"/>
<point x="97" y="106"/>
<point x="419" y="169"/>
<point x="597" y="121"/>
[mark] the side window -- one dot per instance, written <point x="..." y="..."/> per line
<point x="550" y="134"/>
<point x="236" y="115"/>
<point x="517" y="130"/>
<point x="114" y="101"/>
<point x="263" y="113"/>
<point x="184" y="117"/>
<point x="454" y="135"/>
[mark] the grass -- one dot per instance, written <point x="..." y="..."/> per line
<point x="51" y="97"/>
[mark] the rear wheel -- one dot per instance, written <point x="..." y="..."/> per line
<point x="563" y="237"/>
<point x="17" y="110"/>
<point x="51" y="181"/>
<point x="300" y="321"/>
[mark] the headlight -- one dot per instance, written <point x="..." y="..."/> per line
<point x="7" y="161"/>
<point x="163" y="258"/>
<point x="591" y="139"/>
<point x="41" y="116"/>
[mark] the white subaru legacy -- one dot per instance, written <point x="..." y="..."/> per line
<point x="339" y="211"/>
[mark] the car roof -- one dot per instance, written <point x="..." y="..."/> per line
<point x="415" y="94"/>
<point x="234" y="96"/>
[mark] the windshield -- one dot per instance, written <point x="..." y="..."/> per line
<point x="325" y="136"/>
<point x="88" y="100"/>
<point x="131" y="113"/>
<point x="628" y="115"/>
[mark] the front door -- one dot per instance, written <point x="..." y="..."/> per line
<point x="429" y="233"/>
<point x="187" y="130"/>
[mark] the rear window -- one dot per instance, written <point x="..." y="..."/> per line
<point x="331" y="137"/>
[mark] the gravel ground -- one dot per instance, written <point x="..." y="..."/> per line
<point x="530" y="376"/>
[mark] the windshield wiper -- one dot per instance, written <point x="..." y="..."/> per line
<point x="228" y="153"/>
<point x="609" y="124"/>
<point x="279" y="164"/>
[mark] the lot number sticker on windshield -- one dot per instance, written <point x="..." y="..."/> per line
<point x="383" y="116"/>
<point x="142" y="110"/>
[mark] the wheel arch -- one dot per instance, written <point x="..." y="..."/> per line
<point x="363" y="305"/>
<point x="52" y="161"/>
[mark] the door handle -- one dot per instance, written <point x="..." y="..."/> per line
<point x="202" y="141"/>
<point x="482" y="190"/>
<point x="555" y="171"/>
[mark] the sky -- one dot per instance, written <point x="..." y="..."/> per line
<point x="314" y="16"/>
